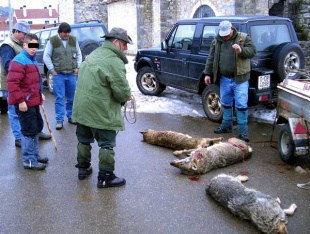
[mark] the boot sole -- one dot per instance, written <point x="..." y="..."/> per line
<point x="223" y="132"/>
<point x="105" y="185"/>
<point x="43" y="161"/>
<point x="34" y="168"/>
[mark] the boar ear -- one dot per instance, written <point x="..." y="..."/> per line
<point x="145" y="131"/>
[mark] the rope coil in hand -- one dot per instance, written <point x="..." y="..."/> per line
<point x="129" y="110"/>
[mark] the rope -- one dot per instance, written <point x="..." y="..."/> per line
<point x="129" y="110"/>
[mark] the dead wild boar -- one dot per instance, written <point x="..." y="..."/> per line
<point x="218" y="155"/>
<point x="176" y="140"/>
<point x="261" y="209"/>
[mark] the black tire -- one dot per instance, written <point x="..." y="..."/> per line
<point x="49" y="79"/>
<point x="288" y="56"/>
<point x="211" y="102"/>
<point x="148" y="83"/>
<point x="87" y="47"/>
<point x="286" y="145"/>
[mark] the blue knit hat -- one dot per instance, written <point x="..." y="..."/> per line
<point x="22" y="26"/>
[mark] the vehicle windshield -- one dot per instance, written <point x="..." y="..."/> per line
<point x="266" y="37"/>
<point x="88" y="33"/>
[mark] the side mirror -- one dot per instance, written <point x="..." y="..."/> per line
<point x="164" y="45"/>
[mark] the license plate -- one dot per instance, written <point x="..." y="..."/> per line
<point x="263" y="82"/>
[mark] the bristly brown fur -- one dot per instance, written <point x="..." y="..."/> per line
<point x="218" y="155"/>
<point x="176" y="140"/>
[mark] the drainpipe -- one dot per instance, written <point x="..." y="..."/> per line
<point x="10" y="18"/>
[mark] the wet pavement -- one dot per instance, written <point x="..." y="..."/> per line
<point x="156" y="198"/>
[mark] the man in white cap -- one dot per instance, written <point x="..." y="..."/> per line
<point x="229" y="65"/>
<point x="101" y="90"/>
<point x="9" y="48"/>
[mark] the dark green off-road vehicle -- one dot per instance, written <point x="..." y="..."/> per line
<point x="180" y="60"/>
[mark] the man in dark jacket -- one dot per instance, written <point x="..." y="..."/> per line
<point x="229" y="65"/>
<point x="25" y="93"/>
<point x="101" y="89"/>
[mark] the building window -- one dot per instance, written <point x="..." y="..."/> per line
<point x="29" y="22"/>
<point x="47" y="21"/>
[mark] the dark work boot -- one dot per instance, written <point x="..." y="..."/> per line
<point x="84" y="172"/>
<point x="244" y="137"/>
<point x="109" y="179"/>
<point x="221" y="129"/>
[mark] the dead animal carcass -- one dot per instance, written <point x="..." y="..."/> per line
<point x="261" y="209"/>
<point x="218" y="155"/>
<point x="176" y="140"/>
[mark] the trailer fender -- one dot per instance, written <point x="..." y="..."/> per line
<point x="300" y="135"/>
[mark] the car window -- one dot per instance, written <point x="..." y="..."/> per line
<point x="45" y="36"/>
<point x="88" y="33"/>
<point x="265" y="37"/>
<point x="182" y="37"/>
<point x="209" y="33"/>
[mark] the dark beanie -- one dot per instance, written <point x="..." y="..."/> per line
<point x="64" y="27"/>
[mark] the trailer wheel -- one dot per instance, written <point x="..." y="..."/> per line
<point x="286" y="145"/>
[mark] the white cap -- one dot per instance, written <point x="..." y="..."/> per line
<point x="225" y="27"/>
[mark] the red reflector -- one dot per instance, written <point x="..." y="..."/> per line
<point x="300" y="129"/>
<point x="264" y="98"/>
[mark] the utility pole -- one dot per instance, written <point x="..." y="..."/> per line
<point x="10" y="18"/>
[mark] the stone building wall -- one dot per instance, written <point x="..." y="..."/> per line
<point x="299" y="12"/>
<point x="123" y="14"/>
<point x="149" y="21"/>
<point x="66" y="11"/>
<point x="85" y="10"/>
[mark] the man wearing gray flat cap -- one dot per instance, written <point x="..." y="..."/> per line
<point x="9" y="48"/>
<point x="101" y="90"/>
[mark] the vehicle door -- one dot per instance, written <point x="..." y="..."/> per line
<point x="174" y="65"/>
<point x="197" y="60"/>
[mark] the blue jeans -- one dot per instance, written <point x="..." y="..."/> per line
<point x="31" y="123"/>
<point x="231" y="91"/>
<point x="64" y="88"/>
<point x="13" y="120"/>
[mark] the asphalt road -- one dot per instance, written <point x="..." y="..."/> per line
<point x="156" y="198"/>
